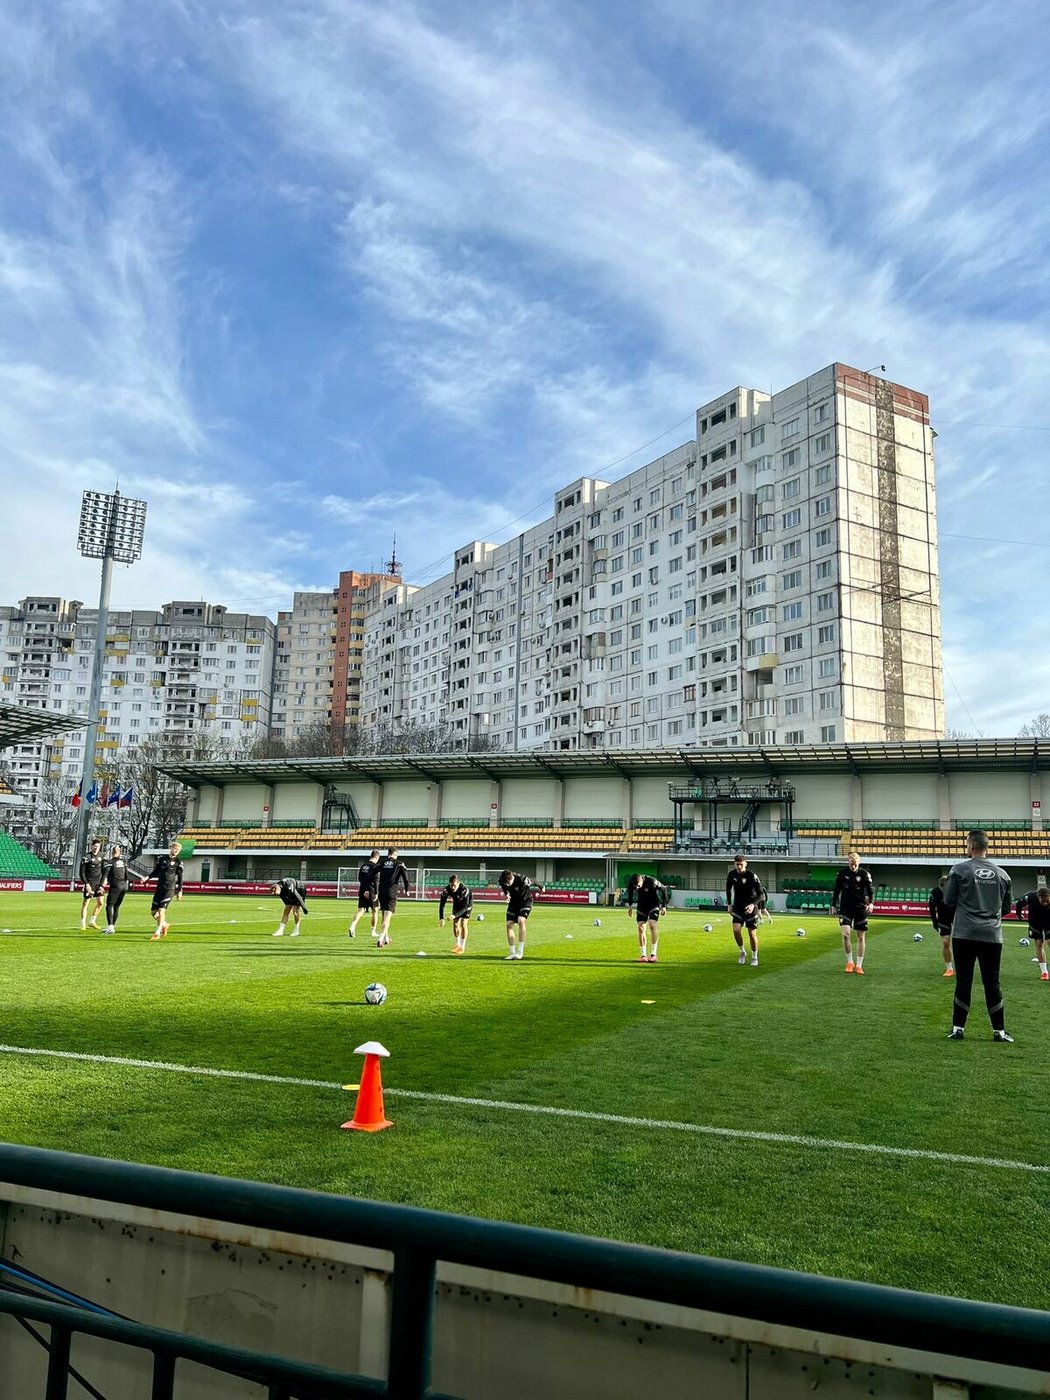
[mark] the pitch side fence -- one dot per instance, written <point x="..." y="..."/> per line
<point x="949" y="1334"/>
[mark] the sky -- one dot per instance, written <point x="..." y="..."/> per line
<point x="308" y="276"/>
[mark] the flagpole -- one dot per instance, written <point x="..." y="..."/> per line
<point x="94" y="704"/>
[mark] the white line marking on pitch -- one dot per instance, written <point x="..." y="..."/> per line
<point x="545" y="1110"/>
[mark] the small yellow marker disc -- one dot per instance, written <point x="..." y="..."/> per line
<point x="351" y="1086"/>
<point x="648" y="1003"/>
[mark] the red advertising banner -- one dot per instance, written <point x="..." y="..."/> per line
<point x="903" y="909"/>
<point x="12" y="884"/>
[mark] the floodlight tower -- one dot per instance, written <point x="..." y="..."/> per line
<point x="111" y="529"/>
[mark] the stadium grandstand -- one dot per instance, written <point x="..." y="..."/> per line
<point x="22" y="724"/>
<point x="596" y="818"/>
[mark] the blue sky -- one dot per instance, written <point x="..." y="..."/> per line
<point x="306" y="276"/>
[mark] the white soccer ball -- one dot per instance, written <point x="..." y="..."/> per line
<point x="800" y="933"/>
<point x="1026" y="942"/>
<point x="481" y="918"/>
<point x="597" y="923"/>
<point x="375" y="994"/>
<point x="916" y="938"/>
<point x="708" y="928"/>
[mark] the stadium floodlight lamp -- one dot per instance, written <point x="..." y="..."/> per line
<point x="111" y="526"/>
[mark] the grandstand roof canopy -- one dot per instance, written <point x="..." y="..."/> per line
<point x="931" y="756"/>
<point x="21" y="725"/>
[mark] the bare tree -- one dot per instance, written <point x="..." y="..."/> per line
<point x="54" y="822"/>
<point x="957" y="734"/>
<point x="1038" y="728"/>
<point x="423" y="738"/>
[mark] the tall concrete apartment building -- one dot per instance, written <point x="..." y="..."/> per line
<point x="320" y="656"/>
<point x="773" y="581"/>
<point x="189" y="668"/>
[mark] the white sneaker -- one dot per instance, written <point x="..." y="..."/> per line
<point x="742" y="959"/>
<point x="109" y="929"/>
<point x="519" y="954"/>
<point x="754" y="962"/>
<point x="294" y="933"/>
<point x="278" y="933"/>
<point x="511" y="956"/>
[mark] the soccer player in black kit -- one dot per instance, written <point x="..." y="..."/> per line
<point x="462" y="898"/>
<point x="743" y="894"/>
<point x="116" y="879"/>
<point x="292" y="894"/>
<point x="91" y="874"/>
<point x="651" y="897"/>
<point x="519" y="890"/>
<point x="168" y="874"/>
<point x="941" y="919"/>
<point x="391" y="876"/>
<point x="851" y="900"/>
<point x="1037" y="905"/>
<point x="366" y="894"/>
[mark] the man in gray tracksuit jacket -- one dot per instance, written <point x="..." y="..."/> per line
<point x="978" y="895"/>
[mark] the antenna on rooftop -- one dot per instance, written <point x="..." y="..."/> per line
<point x="393" y="565"/>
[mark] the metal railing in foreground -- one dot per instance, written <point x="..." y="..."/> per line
<point x="419" y="1239"/>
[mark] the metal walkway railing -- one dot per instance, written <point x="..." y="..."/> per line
<point x="419" y="1239"/>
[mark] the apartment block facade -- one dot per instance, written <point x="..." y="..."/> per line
<point x="320" y="656"/>
<point x="773" y="581"/>
<point x="190" y="668"/>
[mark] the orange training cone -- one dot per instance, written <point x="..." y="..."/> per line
<point x="368" y="1111"/>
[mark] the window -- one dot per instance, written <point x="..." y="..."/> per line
<point x="760" y="646"/>
<point x="823" y="570"/>
<point x="827" y="733"/>
<point x="822" y="537"/>
<point x="792" y="642"/>
<point x="795" y="736"/>
<point x="822" y="444"/>
<point x="793" y="705"/>
<point x="823" y="506"/>
<point x="757" y="616"/>
<point x="758" y="436"/>
<point x="828" y="699"/>
<point x="825" y="602"/>
<point x="792" y="550"/>
<point x="762" y="555"/>
<point x="756" y="585"/>
<point x="792" y="519"/>
<point x="792" y="612"/>
<point x="826" y="634"/>
<point x="790" y="460"/>
<point x="792" y="675"/>
<point x="765" y="495"/>
<point x="791" y="489"/>
<point x="619" y="538"/>
<point x="790" y="429"/>
<point x="822" y="475"/>
<point x="821" y="413"/>
<point x="828" y="667"/>
<point x="793" y="579"/>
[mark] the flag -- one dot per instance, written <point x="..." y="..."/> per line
<point x="103" y="797"/>
<point x="76" y="799"/>
<point x="125" y="800"/>
<point x="92" y="793"/>
<point x="114" y="796"/>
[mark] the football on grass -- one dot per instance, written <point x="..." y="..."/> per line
<point x="916" y="938"/>
<point x="375" y="994"/>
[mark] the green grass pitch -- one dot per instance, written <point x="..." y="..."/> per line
<point x="793" y="1047"/>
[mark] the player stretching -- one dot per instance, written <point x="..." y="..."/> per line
<point x="942" y="921"/>
<point x="851" y="900"/>
<point x="519" y="890"/>
<point x="462" y="899"/>
<point x="168" y="874"/>
<point x="651" y="897"/>
<point x="116" y="880"/>
<point x="91" y="879"/>
<point x="391" y="876"/>
<point x="292" y="893"/>
<point x="1038" y="905"/>
<point x="366" y="894"/>
<point x="743" y="892"/>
